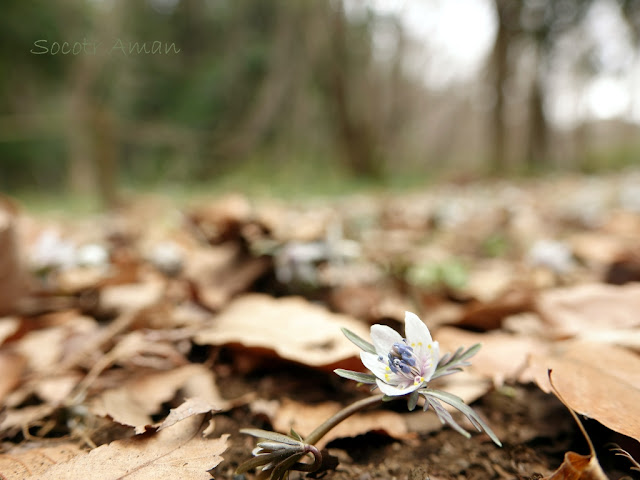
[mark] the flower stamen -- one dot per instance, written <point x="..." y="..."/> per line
<point x="402" y="360"/>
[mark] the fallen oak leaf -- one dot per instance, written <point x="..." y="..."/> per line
<point x="576" y="466"/>
<point x="35" y="461"/>
<point x="178" y="451"/>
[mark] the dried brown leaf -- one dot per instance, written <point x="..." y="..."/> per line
<point x="11" y="275"/>
<point x="489" y="280"/>
<point x="12" y="366"/>
<point x="292" y="327"/>
<point x="8" y="326"/>
<point x="218" y="273"/>
<point x="136" y="400"/>
<point x="575" y="466"/>
<point x="222" y="220"/>
<point x="578" y="467"/>
<point x="599" y="381"/>
<point x="489" y="315"/>
<point x="176" y="452"/>
<point x="34" y="462"/>
<point x="191" y="406"/>
<point x="502" y="357"/>
<point x="48" y="349"/>
<point x="597" y="247"/>
<point x="305" y="418"/>
<point x="587" y="308"/>
<point x="132" y="296"/>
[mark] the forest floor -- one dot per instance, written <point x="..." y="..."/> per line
<point x="138" y="343"/>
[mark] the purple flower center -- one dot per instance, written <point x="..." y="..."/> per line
<point x="402" y="359"/>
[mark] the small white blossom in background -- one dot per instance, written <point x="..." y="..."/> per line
<point x="167" y="257"/>
<point x="51" y="252"/>
<point x="298" y="261"/>
<point x="629" y="196"/>
<point x="554" y="255"/>
<point x="92" y="255"/>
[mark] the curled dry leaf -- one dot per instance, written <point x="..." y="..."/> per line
<point x="575" y="466"/>
<point x="178" y="451"/>
<point x="138" y="399"/>
<point x="489" y="315"/>
<point x="305" y="418"/>
<point x="220" y="272"/>
<point x="222" y="220"/>
<point x="191" y="406"/>
<point x="599" y="381"/>
<point x="292" y="327"/>
<point x="578" y="467"/>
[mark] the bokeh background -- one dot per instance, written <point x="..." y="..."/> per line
<point x="292" y="97"/>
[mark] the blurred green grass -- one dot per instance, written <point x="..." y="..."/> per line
<point x="290" y="180"/>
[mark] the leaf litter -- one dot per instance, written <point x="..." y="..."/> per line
<point x="139" y="349"/>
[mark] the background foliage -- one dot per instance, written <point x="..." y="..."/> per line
<point x="291" y="93"/>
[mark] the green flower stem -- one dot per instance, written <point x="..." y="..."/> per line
<point x="343" y="414"/>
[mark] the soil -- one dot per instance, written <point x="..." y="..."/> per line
<point x="535" y="428"/>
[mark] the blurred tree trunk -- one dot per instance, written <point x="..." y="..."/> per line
<point x="92" y="143"/>
<point x="283" y="72"/>
<point x="81" y="172"/>
<point x="537" y="146"/>
<point x="500" y="67"/>
<point x="106" y="155"/>
<point x="354" y="134"/>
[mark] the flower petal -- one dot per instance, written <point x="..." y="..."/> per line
<point x="415" y="329"/>
<point x="383" y="338"/>
<point x="396" y="391"/>
<point x="381" y="369"/>
<point x="378" y="368"/>
<point x="430" y="358"/>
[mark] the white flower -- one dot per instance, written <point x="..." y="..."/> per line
<point x="402" y="365"/>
